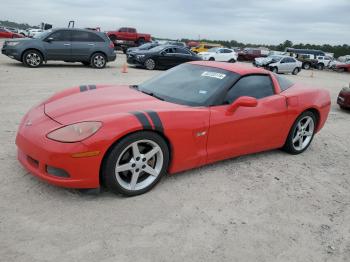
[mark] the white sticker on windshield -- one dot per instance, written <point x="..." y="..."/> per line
<point x="214" y="75"/>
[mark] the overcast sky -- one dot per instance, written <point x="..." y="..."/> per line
<point x="253" y="21"/>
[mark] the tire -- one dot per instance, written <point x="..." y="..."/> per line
<point x="141" y="41"/>
<point x="320" y="66"/>
<point x="135" y="155"/>
<point x="296" y="71"/>
<point x="306" y="66"/>
<point x="301" y="134"/>
<point x="32" y="58"/>
<point x="274" y="70"/>
<point x="232" y="61"/>
<point x="341" y="70"/>
<point x="98" y="60"/>
<point x="150" y="64"/>
<point x="211" y="59"/>
<point x="85" y="63"/>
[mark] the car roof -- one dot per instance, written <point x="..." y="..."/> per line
<point x="74" y="29"/>
<point x="240" y="69"/>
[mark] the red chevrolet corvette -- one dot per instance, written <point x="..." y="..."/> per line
<point x="128" y="137"/>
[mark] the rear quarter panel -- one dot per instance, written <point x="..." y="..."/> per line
<point x="300" y="98"/>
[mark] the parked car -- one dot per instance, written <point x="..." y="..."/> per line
<point x="265" y="61"/>
<point x="249" y="54"/>
<point x="285" y="64"/>
<point x="129" y="34"/>
<point x="163" y="56"/>
<point x="145" y="46"/>
<point x="32" y="33"/>
<point x="343" y="99"/>
<point x="324" y="62"/>
<point x="204" y="47"/>
<point x="343" y="67"/>
<point x="129" y="137"/>
<point x="308" y="57"/>
<point x="5" y="33"/>
<point x="68" y="44"/>
<point x="219" y="54"/>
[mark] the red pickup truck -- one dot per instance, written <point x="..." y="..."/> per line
<point x="129" y="34"/>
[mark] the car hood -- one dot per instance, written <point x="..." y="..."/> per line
<point x="97" y="103"/>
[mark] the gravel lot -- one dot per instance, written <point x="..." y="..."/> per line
<point x="265" y="207"/>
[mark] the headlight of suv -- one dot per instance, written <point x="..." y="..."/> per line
<point x="140" y="56"/>
<point x="75" y="132"/>
<point x="12" y="43"/>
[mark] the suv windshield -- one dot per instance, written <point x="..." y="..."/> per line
<point x="189" y="84"/>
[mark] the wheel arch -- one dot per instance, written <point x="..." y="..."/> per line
<point x="116" y="141"/>
<point x="34" y="49"/>
<point x="96" y="52"/>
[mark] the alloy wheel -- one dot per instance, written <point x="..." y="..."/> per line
<point x="139" y="165"/>
<point x="33" y="59"/>
<point x="99" y="61"/>
<point x="303" y="133"/>
<point x="150" y="64"/>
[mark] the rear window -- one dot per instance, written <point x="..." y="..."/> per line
<point x="283" y="82"/>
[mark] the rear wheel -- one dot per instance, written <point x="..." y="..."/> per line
<point x="211" y="59"/>
<point x="274" y="70"/>
<point x="136" y="163"/>
<point x="32" y="58"/>
<point x="301" y="133"/>
<point x="232" y="61"/>
<point x="98" y="60"/>
<point x="296" y="71"/>
<point x="150" y="64"/>
<point x="306" y="66"/>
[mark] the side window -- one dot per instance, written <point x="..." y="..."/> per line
<point x="284" y="60"/>
<point x="290" y="60"/>
<point x="227" y="51"/>
<point x="169" y="50"/>
<point x="257" y="86"/>
<point x="62" y="35"/>
<point x="95" y="38"/>
<point x="182" y="51"/>
<point x="123" y="29"/>
<point x="283" y="82"/>
<point x="131" y="30"/>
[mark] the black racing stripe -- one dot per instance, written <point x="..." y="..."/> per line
<point x="156" y="120"/>
<point x="83" y="88"/>
<point x="92" y="87"/>
<point x="143" y="119"/>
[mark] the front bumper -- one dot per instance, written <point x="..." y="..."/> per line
<point x="131" y="59"/>
<point x="11" y="52"/>
<point x="40" y="155"/>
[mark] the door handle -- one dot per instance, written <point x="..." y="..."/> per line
<point x="91" y="44"/>
<point x="66" y="44"/>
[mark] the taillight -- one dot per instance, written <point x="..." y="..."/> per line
<point x="111" y="45"/>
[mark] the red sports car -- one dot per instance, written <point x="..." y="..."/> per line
<point x="128" y="137"/>
<point x="4" y="33"/>
<point x="344" y="98"/>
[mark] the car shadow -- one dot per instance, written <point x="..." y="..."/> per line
<point x="63" y="65"/>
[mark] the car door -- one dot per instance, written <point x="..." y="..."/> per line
<point x="58" y="45"/>
<point x="284" y="65"/>
<point x="167" y="57"/>
<point x="83" y="44"/>
<point x="222" y="55"/>
<point x="182" y="55"/>
<point x="248" y="129"/>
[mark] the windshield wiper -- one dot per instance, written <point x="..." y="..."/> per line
<point x="153" y="94"/>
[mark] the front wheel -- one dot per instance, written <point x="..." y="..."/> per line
<point x="306" y="66"/>
<point x="296" y="71"/>
<point x="301" y="133"/>
<point x="211" y="59"/>
<point x="98" y="61"/>
<point x="32" y="58"/>
<point x="150" y="64"/>
<point x="136" y="163"/>
<point x="320" y="66"/>
<point x="274" y="70"/>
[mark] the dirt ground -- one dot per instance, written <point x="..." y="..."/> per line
<point x="265" y="207"/>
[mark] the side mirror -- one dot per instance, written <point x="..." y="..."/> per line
<point x="243" y="101"/>
<point x="49" y="39"/>
<point x="163" y="53"/>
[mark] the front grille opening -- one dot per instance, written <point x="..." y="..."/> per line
<point x="33" y="161"/>
<point x="54" y="171"/>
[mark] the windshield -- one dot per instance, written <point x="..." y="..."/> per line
<point x="145" y="46"/>
<point x="42" y="35"/>
<point x="213" y="50"/>
<point x="274" y="58"/>
<point x="157" y="48"/>
<point x="189" y="84"/>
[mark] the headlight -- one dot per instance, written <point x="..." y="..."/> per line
<point x="140" y="56"/>
<point x="12" y="43"/>
<point x="75" y="132"/>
